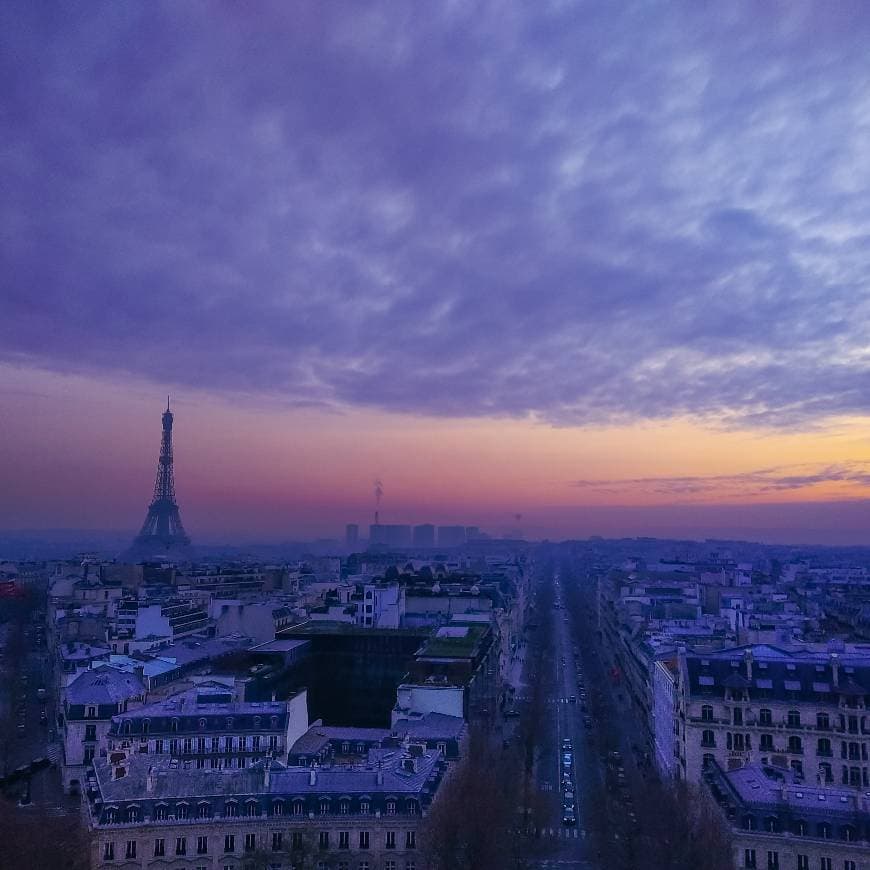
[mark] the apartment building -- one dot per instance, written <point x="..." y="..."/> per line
<point x="800" y="710"/>
<point x="147" y="814"/>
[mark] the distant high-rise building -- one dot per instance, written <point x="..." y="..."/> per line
<point x="424" y="536"/>
<point x="162" y="535"/>
<point x="451" y="536"/>
<point x="472" y="533"/>
<point x="389" y="535"/>
<point x="351" y="535"/>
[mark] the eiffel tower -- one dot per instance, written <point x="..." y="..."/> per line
<point x="162" y="535"/>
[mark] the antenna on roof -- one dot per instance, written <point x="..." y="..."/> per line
<point x="167" y="402"/>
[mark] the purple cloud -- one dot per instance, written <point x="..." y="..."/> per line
<point x="582" y="213"/>
<point x="759" y="482"/>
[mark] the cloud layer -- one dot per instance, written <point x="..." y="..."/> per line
<point x="762" y="482"/>
<point x="580" y="212"/>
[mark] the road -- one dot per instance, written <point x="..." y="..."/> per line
<point x="565" y="844"/>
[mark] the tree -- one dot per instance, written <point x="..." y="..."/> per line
<point x="455" y="838"/>
<point x="30" y="839"/>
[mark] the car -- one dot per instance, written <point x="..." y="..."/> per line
<point x="587" y="722"/>
<point x="511" y="714"/>
<point x="569" y="817"/>
<point x="566" y="743"/>
<point x="568" y="794"/>
<point x="583" y="696"/>
<point x="572" y="699"/>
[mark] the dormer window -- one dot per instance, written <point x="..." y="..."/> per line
<point x="202" y="724"/>
<point x="146" y="726"/>
<point x="256" y="723"/>
<point x="391" y="808"/>
<point x="173" y="726"/>
<point x="231" y="809"/>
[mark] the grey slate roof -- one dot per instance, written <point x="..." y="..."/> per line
<point x="175" y="782"/>
<point x="104" y="685"/>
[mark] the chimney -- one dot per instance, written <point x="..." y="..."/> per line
<point x="379" y="776"/>
<point x="149" y="780"/>
<point x="747" y="657"/>
<point x="312" y="776"/>
<point x="267" y="772"/>
<point x="835" y="669"/>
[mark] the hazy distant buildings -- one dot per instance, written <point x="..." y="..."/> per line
<point x="389" y="535"/>
<point x="424" y="536"/>
<point x="351" y="535"/>
<point x="451" y="536"/>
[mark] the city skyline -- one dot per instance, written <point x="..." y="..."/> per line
<point x="465" y="252"/>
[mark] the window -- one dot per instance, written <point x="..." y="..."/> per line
<point x="298" y="807"/>
<point x="793" y="719"/>
<point x="202" y="845"/>
<point x="200" y="745"/>
<point x="108" y="851"/>
<point x="708" y="738"/>
<point x="296" y="840"/>
<point x="230" y="843"/>
<point x="363" y="839"/>
<point x="772" y="860"/>
<point x="411" y="840"/>
<point x="707" y="713"/>
<point x="765" y="717"/>
<point x="278" y="808"/>
<point x="89" y="754"/>
<point x="803" y="862"/>
<point x="159" y="847"/>
<point x="391" y="808"/>
<point x="363" y="865"/>
<point x="848" y="864"/>
<point x="231" y="808"/>
<point x="323" y="840"/>
<point x="826" y="771"/>
<point x="158" y="746"/>
<point x="824" y="864"/>
<point x="273" y="743"/>
<point x="90" y="713"/>
<point x="824" y="830"/>
<point x="364" y="808"/>
<point x="441" y="746"/>
<point x="749" y="859"/>
<point x="344" y="839"/>
<point x="181" y="811"/>
<point x="133" y="814"/>
<point x="322" y="865"/>
<point x="389" y="865"/>
<point x="130" y="851"/>
<point x="823" y="747"/>
<point x="766" y="742"/>
<point x="324" y="807"/>
<point x="203" y="811"/>
<point x="410" y="865"/>
<point x="343" y="807"/>
<point x="181" y="845"/>
<point x="277" y="839"/>
<point x="413" y="807"/>
<point x="215" y="744"/>
<point x="90" y="732"/>
<point x="795" y="745"/>
<point x="823" y="722"/>
<point x="252" y="808"/>
<point x="174" y="726"/>
<point x="390" y="842"/>
<point x="250" y="842"/>
<point x="737" y="716"/>
<point x="255" y="741"/>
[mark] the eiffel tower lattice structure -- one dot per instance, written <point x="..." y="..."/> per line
<point x="162" y="534"/>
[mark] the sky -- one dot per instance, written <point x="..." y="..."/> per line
<point x="575" y="268"/>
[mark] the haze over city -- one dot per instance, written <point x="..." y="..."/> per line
<point x="461" y="248"/>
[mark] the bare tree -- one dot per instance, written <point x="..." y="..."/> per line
<point x="471" y="824"/>
<point x="33" y="840"/>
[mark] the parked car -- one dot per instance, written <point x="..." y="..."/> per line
<point x="569" y="817"/>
